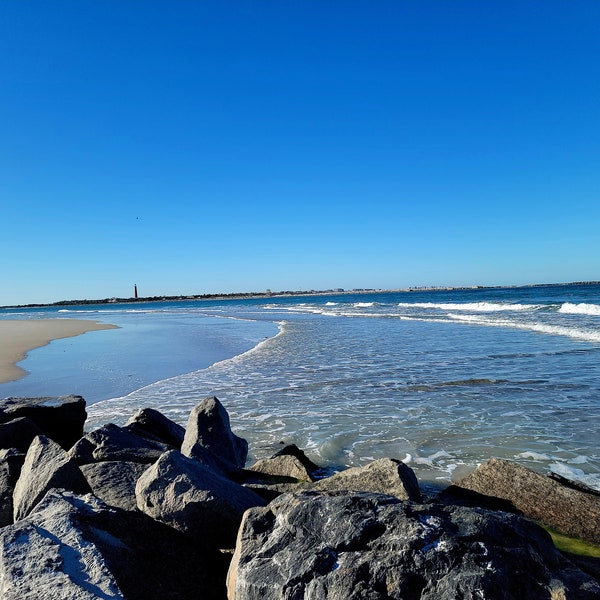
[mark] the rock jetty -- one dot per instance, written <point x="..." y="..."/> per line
<point x="154" y="510"/>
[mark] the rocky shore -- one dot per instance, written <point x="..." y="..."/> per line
<point x="154" y="510"/>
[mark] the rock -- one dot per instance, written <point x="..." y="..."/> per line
<point x="151" y="424"/>
<point x="18" y="433"/>
<point x="75" y="548"/>
<point x="11" y="461"/>
<point x="208" y="435"/>
<point x="385" y="476"/>
<point x="191" y="498"/>
<point x="114" y="481"/>
<point x="46" y="466"/>
<point x="569" y="510"/>
<point x="14" y="460"/>
<point x="293" y="450"/>
<point x="315" y="546"/>
<point x="61" y="419"/>
<point x="283" y="466"/>
<point x="114" y="443"/>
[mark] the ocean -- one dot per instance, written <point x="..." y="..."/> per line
<point x="442" y="379"/>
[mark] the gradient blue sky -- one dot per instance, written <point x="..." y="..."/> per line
<point x="201" y="147"/>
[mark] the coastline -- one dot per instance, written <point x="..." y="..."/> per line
<point x="20" y="336"/>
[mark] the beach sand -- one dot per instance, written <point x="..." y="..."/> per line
<point x="17" y="337"/>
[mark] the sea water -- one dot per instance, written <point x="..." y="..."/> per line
<point x="442" y="379"/>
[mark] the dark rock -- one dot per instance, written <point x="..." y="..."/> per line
<point x="208" y="434"/>
<point x="61" y="419"/>
<point x="18" y="433"/>
<point x="152" y="424"/>
<point x="11" y="461"/>
<point x="46" y="466"/>
<point x="316" y="546"/>
<point x="191" y="498"/>
<point x="114" y="443"/>
<point x="385" y="476"/>
<point x="293" y="450"/>
<point x="14" y="460"/>
<point x="73" y="547"/>
<point x="285" y="466"/>
<point x="572" y="511"/>
<point x="114" y="481"/>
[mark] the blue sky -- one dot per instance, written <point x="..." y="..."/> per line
<point x="203" y="147"/>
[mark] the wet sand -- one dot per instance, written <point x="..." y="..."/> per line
<point x="18" y="337"/>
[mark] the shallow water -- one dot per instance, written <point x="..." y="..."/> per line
<point x="443" y="380"/>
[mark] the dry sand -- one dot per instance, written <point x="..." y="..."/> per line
<point x="17" y="337"/>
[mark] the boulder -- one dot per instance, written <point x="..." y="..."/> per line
<point x="293" y="450"/>
<point x="76" y="548"/>
<point x="569" y="509"/>
<point x="111" y="442"/>
<point x="46" y="466"/>
<point x="208" y="433"/>
<point x="18" y="433"/>
<point x="114" y="481"/>
<point x="6" y="495"/>
<point x="385" y="476"/>
<point x="61" y="419"/>
<point x="284" y="466"/>
<point x="191" y="498"/>
<point x="153" y="425"/>
<point x="14" y="460"/>
<point x="374" y="546"/>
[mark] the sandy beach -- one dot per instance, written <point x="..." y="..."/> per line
<point x="18" y="337"/>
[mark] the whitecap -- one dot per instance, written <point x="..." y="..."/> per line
<point x="580" y="309"/>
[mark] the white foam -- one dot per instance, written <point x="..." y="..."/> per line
<point x="587" y="335"/>
<point x="472" y="306"/>
<point x="364" y="304"/>
<point x="331" y="303"/>
<point x="580" y="309"/>
<point x="534" y="456"/>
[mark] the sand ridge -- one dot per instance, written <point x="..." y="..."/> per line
<point x="19" y="336"/>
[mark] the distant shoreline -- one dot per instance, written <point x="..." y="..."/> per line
<point x="288" y="293"/>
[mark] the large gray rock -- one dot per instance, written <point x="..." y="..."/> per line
<point x="191" y="498"/>
<point x="114" y="481"/>
<point x="61" y="419"/>
<point x="384" y="476"/>
<point x="371" y="546"/>
<point x="111" y="442"/>
<point x="18" y="433"/>
<point x="152" y="424"/>
<point x="208" y="434"/>
<point x="46" y="466"/>
<point x="572" y="511"/>
<point x="75" y="548"/>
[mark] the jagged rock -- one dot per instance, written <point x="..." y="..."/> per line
<point x="191" y="498"/>
<point x="208" y="437"/>
<point x="372" y="546"/>
<point x="572" y="511"/>
<point x="385" y="476"/>
<point x="114" y="481"/>
<point x="6" y="495"/>
<point x="152" y="424"/>
<point x="75" y="548"/>
<point x="18" y="433"/>
<point x="285" y="466"/>
<point x="46" y="466"/>
<point x="293" y="450"/>
<point x="14" y="460"/>
<point x="111" y="442"/>
<point x="61" y="419"/>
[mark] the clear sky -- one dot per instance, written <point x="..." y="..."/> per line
<point x="217" y="146"/>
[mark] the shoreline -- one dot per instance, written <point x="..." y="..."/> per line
<point x="20" y="336"/>
<point x="290" y="293"/>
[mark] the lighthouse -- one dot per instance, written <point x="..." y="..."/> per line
<point x="135" y="291"/>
